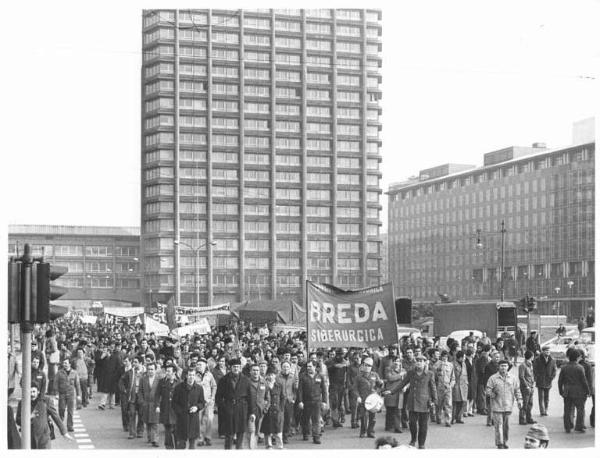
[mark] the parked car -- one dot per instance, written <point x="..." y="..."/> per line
<point x="587" y="339"/>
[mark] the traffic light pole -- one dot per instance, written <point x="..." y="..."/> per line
<point x="26" y="329"/>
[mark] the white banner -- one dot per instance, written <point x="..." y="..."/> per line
<point x="155" y="326"/>
<point x="89" y="319"/>
<point x="124" y="311"/>
<point x="200" y="327"/>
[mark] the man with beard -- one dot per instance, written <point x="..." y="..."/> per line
<point x="234" y="404"/>
<point x="188" y="401"/>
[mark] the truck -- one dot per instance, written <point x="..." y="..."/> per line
<point x="493" y="318"/>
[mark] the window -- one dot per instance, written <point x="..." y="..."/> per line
<point x="288" y="245"/>
<point x="189" y="207"/>
<point x="256" y="124"/>
<point x="257" y="245"/>
<point x="260" y="159"/>
<point x="288" y="126"/>
<point x="319" y="263"/>
<point x="159" y="190"/>
<point x="347" y="30"/>
<point x="287" y="177"/>
<point x="316" y="94"/>
<point x="257" y="193"/>
<point x="348" y="212"/>
<point x="289" y="26"/>
<point x="318" y="161"/>
<point x="318" y="61"/>
<point x="348" y="129"/>
<point x="320" y="246"/>
<point x="252" y="56"/>
<point x="192" y="121"/>
<point x="348" y="246"/>
<point x="318" y="128"/>
<point x="230" y="227"/>
<point x="288" y="110"/>
<point x="257" y="142"/>
<point x="192" y="104"/>
<point x="288" y="280"/>
<point x="192" y="172"/>
<point x="287" y="59"/>
<point x="348" y="163"/>
<point x="351" y="113"/>
<point x="288" y="76"/>
<point x="159" y="86"/>
<point x="321" y="29"/>
<point x="287" y="228"/>
<point x="349" y="47"/>
<point x="257" y="227"/>
<point x="287" y="194"/>
<point x="226" y="262"/>
<point x="257" y="40"/>
<point x="349" y="196"/>
<point x="348" y="229"/>
<point x="348" y="64"/>
<point x="225" y="209"/>
<point x="324" y="112"/>
<point x="229" y="38"/>
<point x="319" y="228"/>
<point x="257" y="210"/>
<point x="159" y="138"/>
<point x="252" y="107"/>
<point x="288" y="263"/>
<point x="192" y="190"/>
<point x="224" y="174"/>
<point x="345" y="96"/>
<point x="257" y="263"/>
<point x="287" y="42"/>
<point x="318" y="45"/>
<point x="257" y="175"/>
<point x="225" y="140"/>
<point x="321" y="145"/>
<point x="317" y="211"/>
<point x="226" y="72"/>
<point x="226" y="89"/>
<point x="288" y="92"/>
<point x="192" y="35"/>
<point x="156" y="121"/>
<point x="256" y="23"/>
<point x="192" y="52"/>
<point x="225" y="105"/>
<point x="318" y="194"/>
<point x="348" y="263"/>
<point x="287" y="159"/>
<point x="288" y="210"/>
<point x="318" y="178"/>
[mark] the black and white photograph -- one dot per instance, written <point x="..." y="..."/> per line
<point x="300" y="226"/>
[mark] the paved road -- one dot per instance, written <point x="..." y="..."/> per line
<point x="102" y="430"/>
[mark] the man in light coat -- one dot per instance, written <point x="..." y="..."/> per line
<point x="147" y="396"/>
<point x="460" y="391"/>
<point x="444" y="381"/>
<point x="502" y="389"/>
<point x="206" y="380"/>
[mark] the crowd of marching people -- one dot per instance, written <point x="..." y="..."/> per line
<point x="257" y="389"/>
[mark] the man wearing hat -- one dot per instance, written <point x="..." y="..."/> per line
<point x="366" y="384"/>
<point x="420" y="397"/>
<point x="537" y="437"/>
<point x="233" y="400"/>
<point x="502" y="389"/>
<point x="544" y="371"/>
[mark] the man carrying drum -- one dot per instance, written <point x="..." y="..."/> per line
<point x="367" y="385"/>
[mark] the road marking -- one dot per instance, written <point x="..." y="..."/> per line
<point x="86" y="446"/>
<point x="81" y="435"/>
<point x="83" y="441"/>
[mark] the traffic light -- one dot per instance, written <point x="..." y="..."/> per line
<point x="42" y="291"/>
<point x="531" y="304"/>
<point x="14" y="292"/>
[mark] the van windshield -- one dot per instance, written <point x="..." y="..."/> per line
<point x="587" y="337"/>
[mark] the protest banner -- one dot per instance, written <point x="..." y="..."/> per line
<point x="358" y="318"/>
<point x="123" y="315"/>
<point x="152" y="325"/>
<point x="200" y="327"/>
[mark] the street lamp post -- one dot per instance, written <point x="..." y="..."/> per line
<point x="557" y="305"/>
<point x="197" y="267"/>
<point x="502" y="250"/>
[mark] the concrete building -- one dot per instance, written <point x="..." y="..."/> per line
<point x="445" y="233"/>
<point x="103" y="262"/>
<point x="260" y="135"/>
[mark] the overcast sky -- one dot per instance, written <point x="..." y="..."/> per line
<point x="460" y="78"/>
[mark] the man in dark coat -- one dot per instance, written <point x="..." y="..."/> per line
<point x="188" y="401"/>
<point x="421" y="394"/>
<point x="312" y="400"/>
<point x="573" y="387"/>
<point x="235" y="405"/>
<point x="544" y="371"/>
<point x="164" y="403"/>
<point x="130" y="387"/>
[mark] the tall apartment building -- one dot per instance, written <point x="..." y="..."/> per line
<point x="260" y="135"/>
<point x="546" y="200"/>
<point x="103" y="262"/>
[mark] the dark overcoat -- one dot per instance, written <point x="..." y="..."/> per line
<point x="147" y="397"/>
<point x="544" y="371"/>
<point x="41" y="410"/>
<point x="235" y="403"/>
<point x="187" y="425"/>
<point x="164" y="399"/>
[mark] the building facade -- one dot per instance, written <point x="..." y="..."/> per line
<point x="103" y="262"/>
<point x="260" y="152"/>
<point x="445" y="233"/>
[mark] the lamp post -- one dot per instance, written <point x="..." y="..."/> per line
<point x="479" y="244"/>
<point x="197" y="267"/>
<point x="570" y="284"/>
<point x="557" y="305"/>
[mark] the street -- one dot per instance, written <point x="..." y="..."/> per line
<point x="98" y="429"/>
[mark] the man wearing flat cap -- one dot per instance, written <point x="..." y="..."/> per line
<point x="544" y="372"/>
<point x="503" y="389"/>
